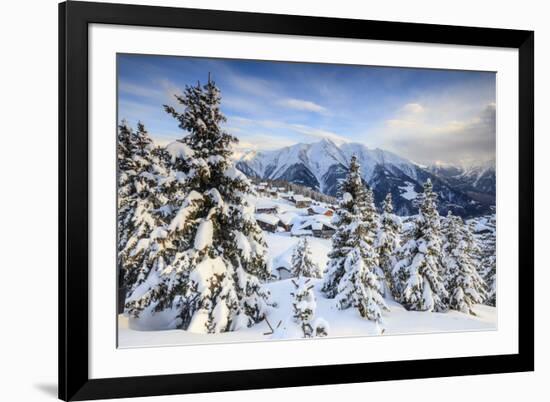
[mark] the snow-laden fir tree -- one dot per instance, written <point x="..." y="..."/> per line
<point x="489" y="260"/>
<point x="388" y="241"/>
<point x="360" y="287"/>
<point x="127" y="171"/>
<point x="302" y="263"/>
<point x="138" y="199"/>
<point x="371" y="217"/>
<point x="303" y="305"/>
<point x="214" y="279"/>
<point x="464" y="285"/>
<point x="352" y="207"/>
<point x="351" y="275"/>
<point x="418" y="281"/>
<point x="157" y="251"/>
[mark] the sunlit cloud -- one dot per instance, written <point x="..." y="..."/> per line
<point x="303" y="105"/>
<point x="414" y="108"/>
<point x="319" y="133"/>
<point x="456" y="141"/>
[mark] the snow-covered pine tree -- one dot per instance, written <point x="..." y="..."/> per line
<point x="371" y="214"/>
<point x="352" y="206"/>
<point x="302" y="264"/>
<point x="359" y="287"/>
<point x="137" y="201"/>
<point x="464" y="285"/>
<point x="417" y="274"/>
<point x="214" y="280"/>
<point x="351" y="276"/>
<point x="127" y="171"/>
<point x="165" y="268"/>
<point x="125" y="188"/>
<point x="388" y="241"/>
<point x="303" y="305"/>
<point x="489" y="259"/>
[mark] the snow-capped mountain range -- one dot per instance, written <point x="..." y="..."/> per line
<point x="321" y="165"/>
<point x="477" y="180"/>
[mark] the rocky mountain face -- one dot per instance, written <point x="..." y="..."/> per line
<point x="478" y="181"/>
<point x="321" y="166"/>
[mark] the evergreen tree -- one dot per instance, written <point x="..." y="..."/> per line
<point x="352" y="206"/>
<point x="219" y="256"/>
<point x="351" y="275"/>
<point x="489" y="259"/>
<point x="464" y="285"/>
<point x="303" y="305"/>
<point x="137" y="201"/>
<point x="164" y="267"/>
<point x="125" y="189"/>
<point x="388" y="241"/>
<point x="127" y="171"/>
<point x="370" y="216"/>
<point x="302" y="264"/>
<point x="417" y="274"/>
<point x="359" y="287"/>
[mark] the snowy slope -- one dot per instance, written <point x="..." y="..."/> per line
<point x="157" y="329"/>
<point x="342" y="323"/>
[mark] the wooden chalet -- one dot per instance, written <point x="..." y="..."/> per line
<point x="267" y="222"/>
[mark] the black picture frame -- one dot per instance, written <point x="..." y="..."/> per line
<point x="74" y="19"/>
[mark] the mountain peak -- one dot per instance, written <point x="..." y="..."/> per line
<point x="323" y="164"/>
<point x="326" y="140"/>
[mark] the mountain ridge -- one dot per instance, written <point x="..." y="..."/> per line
<point x="321" y="165"/>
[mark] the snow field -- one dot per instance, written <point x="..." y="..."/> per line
<point x="342" y="323"/>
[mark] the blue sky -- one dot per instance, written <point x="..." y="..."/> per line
<point x="428" y="116"/>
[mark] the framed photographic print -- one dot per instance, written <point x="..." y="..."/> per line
<point x="257" y="201"/>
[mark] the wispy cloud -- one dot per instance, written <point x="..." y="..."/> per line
<point x="413" y="108"/>
<point x="250" y="85"/>
<point x="303" y="105"/>
<point x="169" y="88"/>
<point x="306" y="133"/>
<point x="319" y="133"/>
<point x="141" y="91"/>
<point x="133" y="110"/>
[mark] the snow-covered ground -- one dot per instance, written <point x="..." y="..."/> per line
<point x="145" y="331"/>
<point x="281" y="246"/>
<point x="341" y="323"/>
